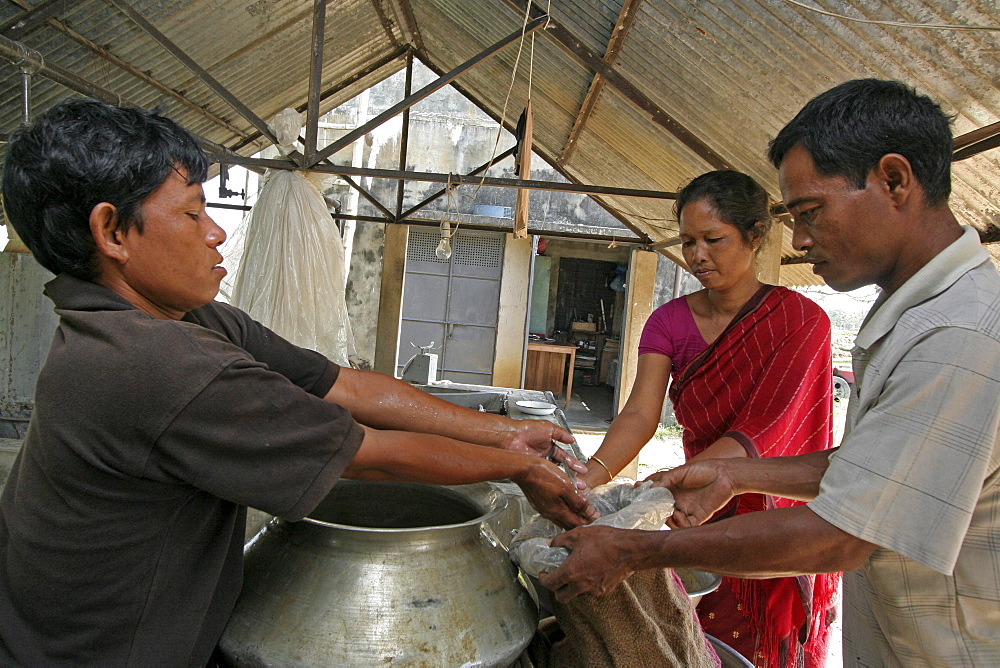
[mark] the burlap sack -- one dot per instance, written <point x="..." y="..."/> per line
<point x="647" y="620"/>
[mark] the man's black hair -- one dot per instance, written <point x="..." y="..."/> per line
<point x="848" y="129"/>
<point x="739" y="200"/>
<point x="80" y="153"/>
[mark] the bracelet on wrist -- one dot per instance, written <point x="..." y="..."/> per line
<point x="611" y="476"/>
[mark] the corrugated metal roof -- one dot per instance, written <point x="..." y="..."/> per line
<point x="730" y="73"/>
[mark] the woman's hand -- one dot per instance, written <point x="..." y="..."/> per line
<point x="636" y="422"/>
<point x="700" y="488"/>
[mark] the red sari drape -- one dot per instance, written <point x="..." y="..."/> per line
<point x="766" y="382"/>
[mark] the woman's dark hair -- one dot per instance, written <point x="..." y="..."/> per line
<point x="739" y="200"/>
<point x="78" y="154"/>
<point x="848" y="129"/>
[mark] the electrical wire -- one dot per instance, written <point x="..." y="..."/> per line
<point x="895" y="24"/>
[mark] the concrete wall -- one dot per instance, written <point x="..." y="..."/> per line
<point x="27" y="322"/>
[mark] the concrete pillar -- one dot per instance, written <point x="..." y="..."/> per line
<point x="390" y="306"/>
<point x="513" y="315"/>
<point x="640" y="287"/>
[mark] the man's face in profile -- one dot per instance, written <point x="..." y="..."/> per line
<point x="842" y="228"/>
<point x="173" y="265"/>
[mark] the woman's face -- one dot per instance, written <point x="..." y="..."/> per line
<point x="713" y="249"/>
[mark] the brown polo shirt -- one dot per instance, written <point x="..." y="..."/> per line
<point x="121" y="525"/>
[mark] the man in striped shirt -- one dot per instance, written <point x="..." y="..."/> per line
<point x="909" y="505"/>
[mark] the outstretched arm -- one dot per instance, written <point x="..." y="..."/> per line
<point x="383" y="402"/>
<point x="396" y="455"/>
<point x="636" y="423"/>
<point x="704" y="486"/>
<point x="742" y="546"/>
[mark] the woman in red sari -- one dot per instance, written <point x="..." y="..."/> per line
<point x="750" y="375"/>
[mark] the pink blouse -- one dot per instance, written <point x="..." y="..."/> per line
<point x="671" y="331"/>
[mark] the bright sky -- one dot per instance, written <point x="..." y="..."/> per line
<point x="855" y="301"/>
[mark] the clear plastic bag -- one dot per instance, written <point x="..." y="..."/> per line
<point x="622" y="506"/>
<point x="292" y="274"/>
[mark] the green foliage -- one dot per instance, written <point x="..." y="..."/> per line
<point x="667" y="431"/>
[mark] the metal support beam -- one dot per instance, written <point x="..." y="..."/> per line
<point x="576" y="48"/>
<point x="26" y="22"/>
<point x="315" y="76"/>
<point x="424" y="92"/>
<point x="440" y="193"/>
<point x="539" y="150"/>
<point x="104" y="54"/>
<point x="404" y="139"/>
<point x="194" y="67"/>
<point x="626" y="18"/>
<point x="350" y="81"/>
<point x="977" y="141"/>
<point x="407" y="23"/>
<point x="466" y="225"/>
<point x="454" y="179"/>
<point x="386" y="23"/>
<point x="20" y="55"/>
<point x="389" y="215"/>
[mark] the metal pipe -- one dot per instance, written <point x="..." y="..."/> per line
<point x="25" y="96"/>
<point x="21" y="56"/>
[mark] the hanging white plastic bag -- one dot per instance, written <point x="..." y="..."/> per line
<point x="622" y="506"/>
<point x="292" y="275"/>
<point x="286" y="127"/>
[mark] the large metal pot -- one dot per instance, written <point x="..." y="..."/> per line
<point x="383" y="574"/>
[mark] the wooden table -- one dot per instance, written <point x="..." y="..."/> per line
<point x="548" y="366"/>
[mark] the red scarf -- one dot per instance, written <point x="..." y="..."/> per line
<point x="767" y="382"/>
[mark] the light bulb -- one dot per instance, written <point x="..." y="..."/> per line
<point x="443" y="250"/>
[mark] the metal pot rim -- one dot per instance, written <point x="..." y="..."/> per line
<point x="497" y="504"/>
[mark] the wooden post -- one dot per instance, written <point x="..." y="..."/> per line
<point x="640" y="285"/>
<point x="390" y="303"/>
<point x="769" y="255"/>
<point x="522" y="165"/>
<point x="513" y="315"/>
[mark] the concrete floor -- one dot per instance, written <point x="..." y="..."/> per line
<point x="590" y="407"/>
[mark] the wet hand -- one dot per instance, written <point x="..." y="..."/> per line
<point x="700" y="488"/>
<point x="596" y="564"/>
<point x="535" y="437"/>
<point x="551" y="492"/>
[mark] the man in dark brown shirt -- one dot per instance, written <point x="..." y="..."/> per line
<point x="160" y="414"/>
